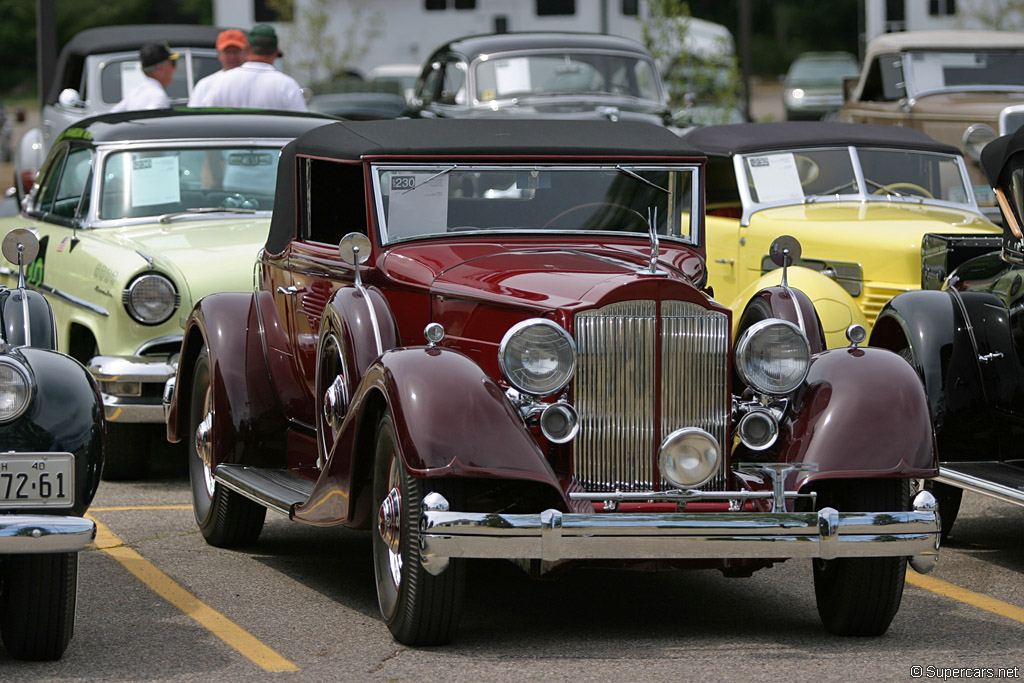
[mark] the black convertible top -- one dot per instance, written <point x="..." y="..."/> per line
<point x="452" y="140"/>
<point x="995" y="154"/>
<point x="742" y="138"/>
<point x="491" y="43"/>
<point x="105" y="39"/>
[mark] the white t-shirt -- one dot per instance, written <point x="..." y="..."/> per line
<point x="146" y="95"/>
<point x="253" y="85"/>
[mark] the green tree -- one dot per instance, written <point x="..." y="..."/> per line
<point x="697" y="73"/>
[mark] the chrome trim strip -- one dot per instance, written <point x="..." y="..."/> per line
<point x="26" y="534"/>
<point x="982" y="486"/>
<point x="553" y="535"/>
<point x="98" y="310"/>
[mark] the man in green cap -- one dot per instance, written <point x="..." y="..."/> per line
<point x="256" y="84"/>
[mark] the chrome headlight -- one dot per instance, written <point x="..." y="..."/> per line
<point x="773" y="356"/>
<point x="688" y="457"/>
<point x="537" y="357"/>
<point x="15" y="390"/>
<point x="151" y="299"/>
<point x="975" y="138"/>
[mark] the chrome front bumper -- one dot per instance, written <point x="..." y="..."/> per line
<point x="24" y="534"/>
<point x="553" y="535"/>
<point x="153" y="372"/>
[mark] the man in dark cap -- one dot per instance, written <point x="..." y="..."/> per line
<point x="158" y="64"/>
<point x="255" y="84"/>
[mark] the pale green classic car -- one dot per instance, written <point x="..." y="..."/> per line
<point x="138" y="216"/>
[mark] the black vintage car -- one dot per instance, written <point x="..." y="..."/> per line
<point x="967" y="344"/>
<point x="550" y="75"/>
<point x="51" y="434"/>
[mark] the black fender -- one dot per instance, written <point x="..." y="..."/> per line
<point x="65" y="415"/>
<point x="861" y="412"/>
<point x="451" y="420"/>
<point x="249" y="421"/>
<point x="15" y="304"/>
<point x="786" y="303"/>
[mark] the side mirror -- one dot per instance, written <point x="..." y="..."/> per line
<point x="354" y="249"/>
<point x="784" y="252"/>
<point x="20" y="247"/>
<point x="69" y="97"/>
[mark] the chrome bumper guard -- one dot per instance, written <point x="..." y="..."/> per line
<point x="553" y="535"/>
<point x="25" y="534"/>
<point x="142" y="369"/>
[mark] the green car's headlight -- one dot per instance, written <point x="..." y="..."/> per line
<point x="773" y="356"/>
<point x="537" y="357"/>
<point x="15" y="389"/>
<point x="151" y="299"/>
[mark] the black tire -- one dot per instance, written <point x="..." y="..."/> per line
<point x="860" y="596"/>
<point x="126" y="451"/>
<point x="418" y="607"/>
<point x="225" y="518"/>
<point x="949" y="498"/>
<point x="37" y="610"/>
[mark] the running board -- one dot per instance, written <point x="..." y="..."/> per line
<point x="272" y="488"/>
<point x="994" y="479"/>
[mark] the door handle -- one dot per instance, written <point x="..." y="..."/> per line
<point x="725" y="260"/>
<point x="290" y="291"/>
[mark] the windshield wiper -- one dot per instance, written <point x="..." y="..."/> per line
<point x="166" y="218"/>
<point x="436" y="175"/>
<point x="637" y="176"/>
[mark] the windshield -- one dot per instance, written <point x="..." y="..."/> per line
<point x="562" y="73"/>
<point x="120" y="76"/>
<point x="978" y="70"/>
<point x="441" y="200"/>
<point x="153" y="182"/>
<point x="834" y="174"/>
<point x="822" y="70"/>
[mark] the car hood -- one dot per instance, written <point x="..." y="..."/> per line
<point x="203" y="256"/>
<point x="543" y="278"/>
<point x="885" y="238"/>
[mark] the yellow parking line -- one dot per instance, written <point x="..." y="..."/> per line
<point x="164" y="586"/>
<point x="1003" y="609"/>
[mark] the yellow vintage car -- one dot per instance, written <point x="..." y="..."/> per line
<point x="868" y="204"/>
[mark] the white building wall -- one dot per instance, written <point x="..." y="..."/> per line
<point x="917" y="17"/>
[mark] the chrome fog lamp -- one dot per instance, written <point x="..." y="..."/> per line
<point x="559" y="423"/>
<point x="975" y="138"/>
<point x="773" y="356"/>
<point x="688" y="457"/>
<point x="150" y="299"/>
<point x="758" y="429"/>
<point x="537" y="357"/>
<point x="15" y="390"/>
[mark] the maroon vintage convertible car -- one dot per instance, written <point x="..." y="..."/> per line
<point x="494" y="339"/>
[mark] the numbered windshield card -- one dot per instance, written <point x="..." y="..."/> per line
<point x="775" y="178"/>
<point x="512" y="75"/>
<point x="417" y="205"/>
<point x="155" y="181"/>
<point x="131" y="76"/>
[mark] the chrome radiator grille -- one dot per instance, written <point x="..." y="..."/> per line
<point x="627" y="404"/>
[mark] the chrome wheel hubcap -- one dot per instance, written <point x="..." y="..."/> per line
<point x="389" y="526"/>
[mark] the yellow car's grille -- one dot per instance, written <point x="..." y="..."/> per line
<point x="876" y="297"/>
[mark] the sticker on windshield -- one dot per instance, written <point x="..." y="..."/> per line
<point x="775" y="178"/>
<point x="154" y="180"/>
<point x="418" y="205"/>
<point x="131" y="76"/>
<point x="512" y="75"/>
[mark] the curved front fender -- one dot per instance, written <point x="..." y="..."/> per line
<point x="836" y="309"/>
<point x="862" y="411"/>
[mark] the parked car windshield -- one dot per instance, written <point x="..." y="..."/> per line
<point x="964" y="70"/>
<point x="830" y="174"/>
<point x="152" y="182"/>
<point x="565" y="73"/>
<point x="442" y="200"/>
<point x="120" y="76"/>
<point x="822" y="70"/>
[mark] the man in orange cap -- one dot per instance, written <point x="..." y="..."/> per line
<point x="158" y="64"/>
<point x="232" y="51"/>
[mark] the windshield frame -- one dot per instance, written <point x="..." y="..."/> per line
<point x="436" y="169"/>
<point x="105" y="151"/>
<point x="498" y="101"/>
<point x="913" y="90"/>
<point x="862" y="195"/>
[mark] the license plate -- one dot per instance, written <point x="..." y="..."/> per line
<point x="37" y="480"/>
